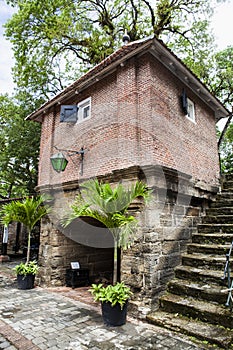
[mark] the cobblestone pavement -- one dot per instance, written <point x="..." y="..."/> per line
<point x="50" y="320"/>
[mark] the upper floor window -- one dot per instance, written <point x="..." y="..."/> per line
<point x="190" y="110"/>
<point x="188" y="106"/>
<point x="84" y="110"/>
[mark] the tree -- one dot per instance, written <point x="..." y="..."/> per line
<point x="28" y="212"/>
<point x="55" y="41"/>
<point x="226" y="150"/>
<point x="220" y="82"/>
<point x="19" y="152"/>
<point x="220" y="78"/>
<point x="110" y="207"/>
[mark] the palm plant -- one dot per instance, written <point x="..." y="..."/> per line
<point x="28" y="212"/>
<point x="109" y="206"/>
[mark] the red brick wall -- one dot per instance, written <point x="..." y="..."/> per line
<point x="136" y="118"/>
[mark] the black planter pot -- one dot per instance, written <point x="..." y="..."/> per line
<point x="25" y="282"/>
<point x="113" y="315"/>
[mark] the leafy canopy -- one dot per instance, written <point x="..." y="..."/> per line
<point x="55" y="41"/>
<point x="221" y="76"/>
<point x="19" y="149"/>
<point x="227" y="151"/>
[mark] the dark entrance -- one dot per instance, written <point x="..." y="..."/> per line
<point x="94" y="250"/>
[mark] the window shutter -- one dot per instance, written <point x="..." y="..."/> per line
<point x="69" y="113"/>
<point x="184" y="102"/>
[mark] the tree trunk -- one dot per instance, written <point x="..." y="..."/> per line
<point x="29" y="246"/>
<point x="115" y="262"/>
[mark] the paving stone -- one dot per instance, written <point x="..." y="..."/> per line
<point x="4" y="344"/>
<point x="42" y="319"/>
<point x="39" y="340"/>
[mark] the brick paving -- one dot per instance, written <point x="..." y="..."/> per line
<point x="66" y="319"/>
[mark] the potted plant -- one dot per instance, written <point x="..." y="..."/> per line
<point x="110" y="206"/>
<point x="114" y="301"/>
<point x="26" y="274"/>
<point x="28" y="212"/>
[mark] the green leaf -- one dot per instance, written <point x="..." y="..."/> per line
<point x="109" y="205"/>
<point x="117" y="294"/>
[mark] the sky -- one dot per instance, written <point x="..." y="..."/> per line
<point x="222" y="25"/>
<point x="6" y="55"/>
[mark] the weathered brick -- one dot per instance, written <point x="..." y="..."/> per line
<point x="137" y="130"/>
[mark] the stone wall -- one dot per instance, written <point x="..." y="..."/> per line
<point x="166" y="224"/>
<point x="57" y="251"/>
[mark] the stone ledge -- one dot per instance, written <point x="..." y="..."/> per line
<point x="201" y="330"/>
<point x="15" y="338"/>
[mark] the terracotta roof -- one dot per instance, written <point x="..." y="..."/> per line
<point x="123" y="53"/>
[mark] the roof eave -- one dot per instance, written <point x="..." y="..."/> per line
<point x="77" y="87"/>
<point x="157" y="49"/>
<point x="184" y="74"/>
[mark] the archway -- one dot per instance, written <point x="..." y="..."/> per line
<point x="94" y="249"/>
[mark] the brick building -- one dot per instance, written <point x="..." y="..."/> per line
<point x="139" y="114"/>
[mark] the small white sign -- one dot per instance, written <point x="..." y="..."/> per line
<point x="75" y="265"/>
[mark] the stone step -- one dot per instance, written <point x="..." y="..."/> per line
<point x="216" y="238"/>
<point x="205" y="311"/>
<point x="215" y="228"/>
<point x="228" y="177"/>
<point x="204" y="260"/>
<point x="218" y="219"/>
<point x="219" y="211"/>
<point x="227" y="195"/>
<point x="223" y="203"/>
<point x="214" y="334"/>
<point x="208" y="249"/>
<point x="203" y="291"/>
<point x="195" y="300"/>
<point x="200" y="274"/>
<point x="228" y="185"/>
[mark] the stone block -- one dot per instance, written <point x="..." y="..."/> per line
<point x="170" y="247"/>
<point x="152" y="218"/>
<point x="152" y="237"/>
<point x="57" y="262"/>
<point x="168" y="261"/>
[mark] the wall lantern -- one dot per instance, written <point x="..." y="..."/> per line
<point x="59" y="161"/>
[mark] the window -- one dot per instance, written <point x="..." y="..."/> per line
<point x="84" y="110"/>
<point x="68" y="113"/>
<point x="190" y="110"/>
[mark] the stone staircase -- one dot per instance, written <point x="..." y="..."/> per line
<point x="194" y="303"/>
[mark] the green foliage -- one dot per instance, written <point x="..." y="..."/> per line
<point x="28" y="212"/>
<point x="117" y="294"/>
<point x="19" y="151"/>
<point x="55" y="41"/>
<point x="221" y="76"/>
<point x="110" y="206"/>
<point x="226" y="150"/>
<point x="26" y="269"/>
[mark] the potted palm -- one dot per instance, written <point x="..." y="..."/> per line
<point x="110" y="206"/>
<point x="28" y="212"/>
